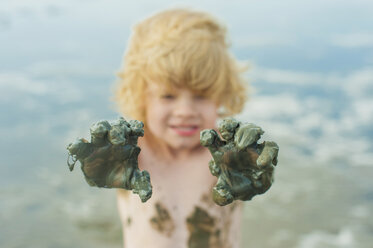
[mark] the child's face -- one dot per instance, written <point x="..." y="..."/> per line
<point x="176" y="117"/>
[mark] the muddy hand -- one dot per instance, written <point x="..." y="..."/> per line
<point x="242" y="165"/>
<point x="110" y="159"/>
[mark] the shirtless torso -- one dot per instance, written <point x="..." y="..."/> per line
<point x="181" y="212"/>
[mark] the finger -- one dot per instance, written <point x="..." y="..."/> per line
<point x="268" y="154"/>
<point x="214" y="169"/>
<point x="100" y="129"/>
<point x="137" y="127"/>
<point x="207" y="137"/>
<point x="117" y="134"/>
<point x="246" y="135"/>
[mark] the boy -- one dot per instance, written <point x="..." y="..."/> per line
<point x="178" y="78"/>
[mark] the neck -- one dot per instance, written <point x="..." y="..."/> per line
<point x="167" y="153"/>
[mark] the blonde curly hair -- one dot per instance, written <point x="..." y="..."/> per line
<point x="180" y="48"/>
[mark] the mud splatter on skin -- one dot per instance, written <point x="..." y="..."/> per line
<point x="206" y="198"/>
<point x="129" y="221"/>
<point x="162" y="220"/>
<point x="203" y="233"/>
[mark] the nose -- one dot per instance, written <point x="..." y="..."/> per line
<point x="185" y="107"/>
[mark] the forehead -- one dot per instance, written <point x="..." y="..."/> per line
<point x="153" y="86"/>
<point x="161" y="88"/>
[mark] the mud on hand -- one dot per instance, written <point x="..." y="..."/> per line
<point x="243" y="166"/>
<point x="110" y="159"/>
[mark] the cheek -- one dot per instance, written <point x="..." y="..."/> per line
<point x="210" y="113"/>
<point x="156" y="115"/>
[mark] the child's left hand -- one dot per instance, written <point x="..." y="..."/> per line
<point x="243" y="167"/>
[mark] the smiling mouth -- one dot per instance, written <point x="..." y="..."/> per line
<point x="185" y="130"/>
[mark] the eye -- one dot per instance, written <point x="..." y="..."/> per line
<point x="168" y="96"/>
<point x="199" y="97"/>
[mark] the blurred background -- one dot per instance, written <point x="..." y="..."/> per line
<point x="311" y="69"/>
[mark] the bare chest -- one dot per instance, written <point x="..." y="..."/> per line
<point x="181" y="212"/>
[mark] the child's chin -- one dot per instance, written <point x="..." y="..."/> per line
<point x="186" y="143"/>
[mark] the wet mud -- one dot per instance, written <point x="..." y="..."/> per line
<point x="129" y="221"/>
<point x="202" y="230"/>
<point x="162" y="221"/>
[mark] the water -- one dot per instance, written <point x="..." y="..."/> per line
<point x="313" y="78"/>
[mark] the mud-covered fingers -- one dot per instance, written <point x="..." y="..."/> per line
<point x="268" y="155"/>
<point x="117" y="135"/>
<point x="207" y="137"/>
<point x="141" y="185"/>
<point x="100" y="129"/>
<point x="71" y="160"/>
<point x="246" y="135"/>
<point x="222" y="195"/>
<point x="137" y="127"/>
<point x="214" y="169"/>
